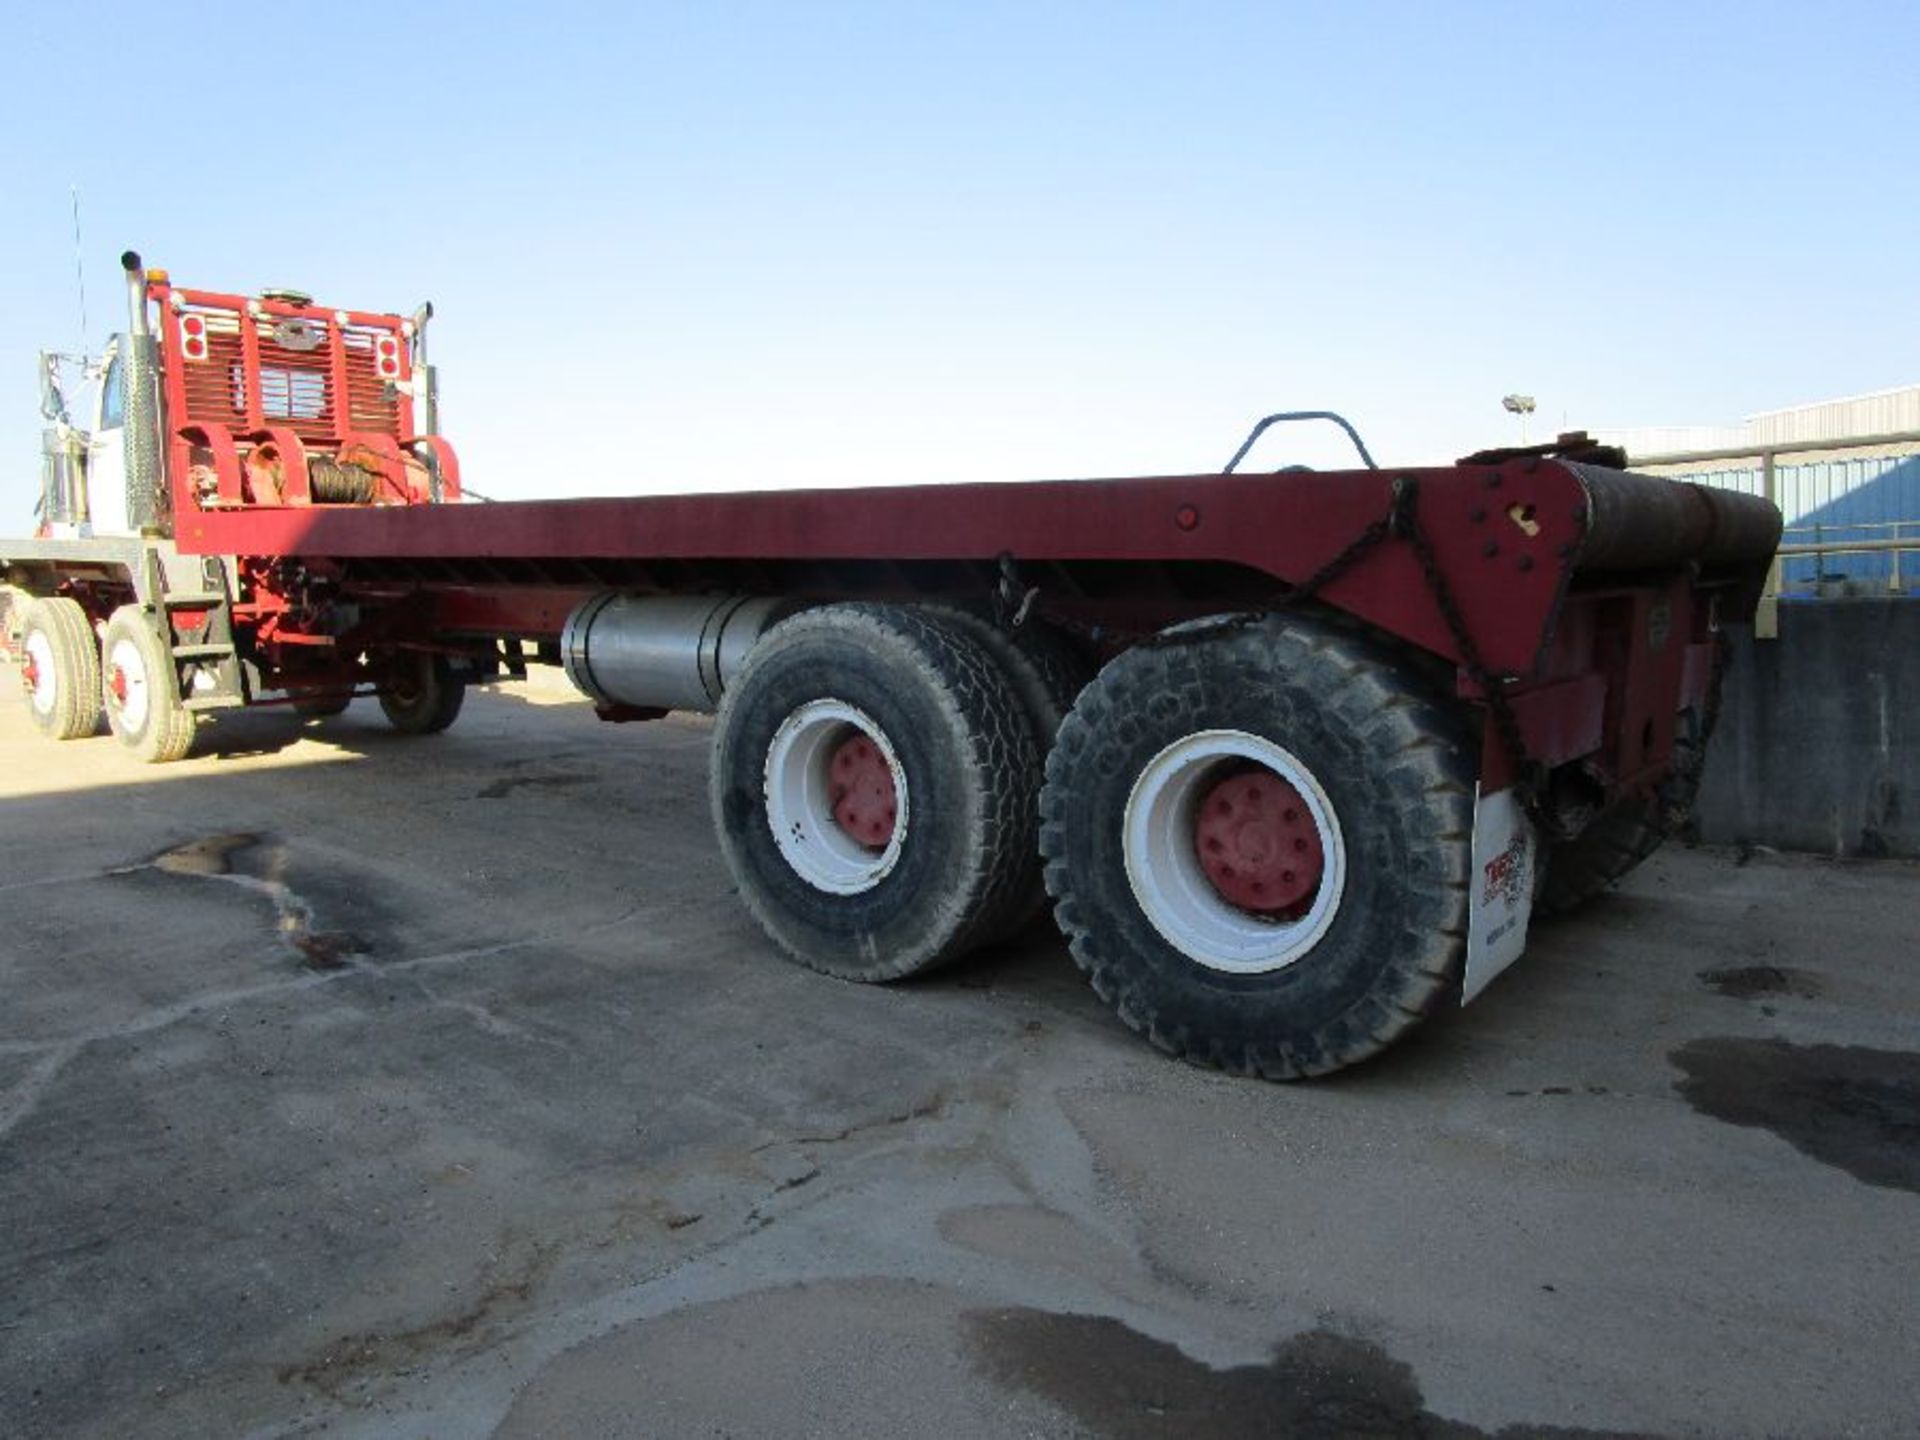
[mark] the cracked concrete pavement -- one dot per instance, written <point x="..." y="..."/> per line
<point x="441" y="1088"/>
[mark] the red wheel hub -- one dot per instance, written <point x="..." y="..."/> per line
<point x="30" y="672"/>
<point x="860" y="785"/>
<point x="117" y="683"/>
<point x="1257" y="843"/>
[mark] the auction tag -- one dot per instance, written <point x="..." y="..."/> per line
<point x="1504" y="854"/>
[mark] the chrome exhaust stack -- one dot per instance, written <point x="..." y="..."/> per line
<point x="426" y="380"/>
<point x="145" y="507"/>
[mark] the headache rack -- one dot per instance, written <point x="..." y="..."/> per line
<point x="274" y="400"/>
<point x="246" y="364"/>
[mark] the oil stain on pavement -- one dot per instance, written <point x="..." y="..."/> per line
<point x="259" y="864"/>
<point x="564" y="780"/>
<point x="1849" y="1106"/>
<point x="1754" y="982"/>
<point x="1127" y="1386"/>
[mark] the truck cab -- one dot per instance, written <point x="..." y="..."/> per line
<point x="83" y="484"/>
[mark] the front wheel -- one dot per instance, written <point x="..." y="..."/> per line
<point x="1259" y="844"/>
<point x="141" y="689"/>
<point x="60" y="668"/>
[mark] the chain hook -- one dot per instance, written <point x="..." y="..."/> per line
<point x="1012" y="601"/>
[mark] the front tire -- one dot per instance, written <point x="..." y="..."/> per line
<point x="871" y="789"/>
<point x="141" y="689"/>
<point x="60" y="668"/>
<point x="1259" y="843"/>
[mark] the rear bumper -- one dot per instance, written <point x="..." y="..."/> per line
<point x="1643" y="522"/>
<point x="1661" y="567"/>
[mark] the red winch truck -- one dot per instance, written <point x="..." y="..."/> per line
<point x="1294" y="756"/>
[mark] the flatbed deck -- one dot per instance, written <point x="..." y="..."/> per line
<point x="1254" y="535"/>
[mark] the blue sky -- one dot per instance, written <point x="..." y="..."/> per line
<point x="727" y="245"/>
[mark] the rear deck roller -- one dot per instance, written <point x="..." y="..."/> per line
<point x="1641" y="522"/>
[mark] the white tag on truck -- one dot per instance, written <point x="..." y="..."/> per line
<point x="1505" y="851"/>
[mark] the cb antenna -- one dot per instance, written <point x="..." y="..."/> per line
<point x="80" y="271"/>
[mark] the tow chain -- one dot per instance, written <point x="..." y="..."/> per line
<point x="1529" y="776"/>
<point x="1013" y="602"/>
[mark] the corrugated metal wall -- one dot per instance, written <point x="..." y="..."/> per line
<point x="1885" y="412"/>
<point x="1889" y="412"/>
<point x="1838" y="500"/>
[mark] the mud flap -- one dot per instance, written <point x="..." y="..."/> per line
<point x="1505" y="850"/>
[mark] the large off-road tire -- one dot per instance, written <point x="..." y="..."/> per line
<point x="1616" y="842"/>
<point x="60" y="668"/>
<point x="1045" y="668"/>
<point x="1259" y="841"/>
<point x="1047" y="674"/>
<point x="422" y="695"/>
<point x="870" y="790"/>
<point x="141" y="688"/>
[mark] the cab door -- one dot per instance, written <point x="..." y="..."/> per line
<point x="107" y="450"/>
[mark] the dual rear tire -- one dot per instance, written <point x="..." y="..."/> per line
<point x="1257" y="838"/>
<point x="873" y="790"/>
<point x="1259" y="842"/>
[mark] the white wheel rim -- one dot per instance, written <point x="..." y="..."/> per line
<point x="800" y="804"/>
<point x="1173" y="891"/>
<point x="44" y="691"/>
<point x="125" y="661"/>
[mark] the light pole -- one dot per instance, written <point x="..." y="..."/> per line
<point x="1521" y="405"/>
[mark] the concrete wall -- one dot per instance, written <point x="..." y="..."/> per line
<point x="1818" y="747"/>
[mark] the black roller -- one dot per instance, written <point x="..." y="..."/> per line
<point x="1641" y="522"/>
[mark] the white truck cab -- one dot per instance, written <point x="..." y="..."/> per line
<point x="84" y="466"/>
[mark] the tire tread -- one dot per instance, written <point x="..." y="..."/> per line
<point x="976" y="701"/>
<point x="1419" y="757"/>
<point x="76" y="661"/>
<point x="168" y="734"/>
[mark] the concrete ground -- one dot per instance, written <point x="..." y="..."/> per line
<point x="441" y="1088"/>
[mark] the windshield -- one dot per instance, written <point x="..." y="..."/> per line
<point x="113" y="395"/>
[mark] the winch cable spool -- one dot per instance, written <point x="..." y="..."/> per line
<point x="334" y="483"/>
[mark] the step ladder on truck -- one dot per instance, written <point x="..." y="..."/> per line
<point x="1293" y="757"/>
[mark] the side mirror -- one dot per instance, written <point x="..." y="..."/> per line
<point x="53" y="402"/>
